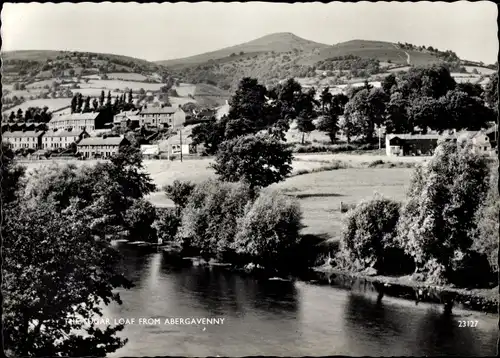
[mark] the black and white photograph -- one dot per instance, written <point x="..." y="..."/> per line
<point x="216" y="179"/>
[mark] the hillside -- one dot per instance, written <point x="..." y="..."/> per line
<point x="27" y="66"/>
<point x="278" y="42"/>
<point x="278" y="56"/>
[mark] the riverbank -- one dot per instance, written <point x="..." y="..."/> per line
<point x="482" y="300"/>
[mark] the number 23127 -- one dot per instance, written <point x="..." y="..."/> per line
<point x="467" y="323"/>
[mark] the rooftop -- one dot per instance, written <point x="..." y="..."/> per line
<point x="21" y="134"/>
<point x="75" y="116"/>
<point x="101" y="141"/>
<point x="158" y="110"/>
<point x="63" y="133"/>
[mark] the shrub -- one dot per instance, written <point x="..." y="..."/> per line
<point x="368" y="235"/>
<point x="269" y="231"/>
<point x="179" y="193"/>
<point x="139" y="219"/>
<point x="209" y="220"/>
<point x="439" y="219"/>
<point x="375" y="163"/>
<point x="486" y="234"/>
<point x="167" y="224"/>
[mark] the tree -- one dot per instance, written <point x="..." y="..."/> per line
<point x="130" y="97"/>
<point x="472" y="89"/>
<point x="179" y="193"/>
<point x="491" y="93"/>
<point x="101" y="99"/>
<point x="438" y="220"/>
<point x="79" y="102"/>
<point x="465" y="112"/>
<point x="329" y="123"/>
<point x="268" y="234"/>
<point x="108" y="101"/>
<point x="19" y="114"/>
<point x="397" y="119"/>
<point x="11" y="175"/>
<point x="139" y="219"/>
<point x="487" y="218"/>
<point x="249" y="103"/>
<point x="210" y="219"/>
<point x="95" y="104"/>
<point x="305" y="125"/>
<point x="258" y="160"/>
<point x="325" y="98"/>
<point x="56" y="272"/>
<point x="432" y="81"/>
<point x="388" y="83"/>
<point x="210" y="134"/>
<point x="426" y="112"/>
<point x="368" y="236"/>
<point x="12" y="116"/>
<point x="86" y="107"/>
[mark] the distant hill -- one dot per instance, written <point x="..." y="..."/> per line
<point x="278" y="42"/>
<point x="275" y="57"/>
<point x="26" y="66"/>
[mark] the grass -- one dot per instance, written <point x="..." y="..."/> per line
<point x="322" y="193"/>
<point x="121" y="85"/>
<point x="52" y="103"/>
<point x="126" y="76"/>
<point x="320" y="182"/>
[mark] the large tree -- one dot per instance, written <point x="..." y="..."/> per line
<point x="258" y="160"/>
<point x="438" y="220"/>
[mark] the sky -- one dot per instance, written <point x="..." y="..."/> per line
<point x="167" y="31"/>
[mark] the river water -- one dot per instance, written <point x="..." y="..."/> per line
<point x="281" y="318"/>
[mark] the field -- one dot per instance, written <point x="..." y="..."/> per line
<point x="481" y="70"/>
<point x="121" y="85"/>
<point x="319" y="193"/>
<point x="126" y="76"/>
<point x="52" y="103"/>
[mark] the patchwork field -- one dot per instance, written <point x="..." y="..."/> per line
<point x="52" y="103"/>
<point x="126" y="76"/>
<point x="121" y="85"/>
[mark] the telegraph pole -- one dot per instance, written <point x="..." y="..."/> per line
<point x="180" y="137"/>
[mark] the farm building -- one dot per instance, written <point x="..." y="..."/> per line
<point x="100" y="147"/>
<point x="411" y="144"/>
<point x="81" y="121"/>
<point x="162" y="116"/>
<point x="62" y="138"/>
<point x="23" y="139"/>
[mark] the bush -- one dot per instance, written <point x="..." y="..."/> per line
<point x="486" y="234"/>
<point x="209" y="220"/>
<point x="368" y="235"/>
<point x="139" y="219"/>
<point x="439" y="219"/>
<point x="167" y="224"/>
<point x="179" y="193"/>
<point x="269" y="231"/>
<point x="375" y="163"/>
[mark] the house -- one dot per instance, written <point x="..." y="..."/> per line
<point x="412" y="144"/>
<point x="127" y="119"/>
<point x="162" y="117"/>
<point x="101" y="147"/>
<point x="79" y="121"/>
<point x="23" y="139"/>
<point x="174" y="145"/>
<point x="149" y="151"/>
<point x="62" y="138"/>
<point x="479" y="140"/>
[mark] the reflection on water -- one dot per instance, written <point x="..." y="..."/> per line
<point x="281" y="318"/>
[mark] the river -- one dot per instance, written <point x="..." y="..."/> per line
<point x="281" y="318"/>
